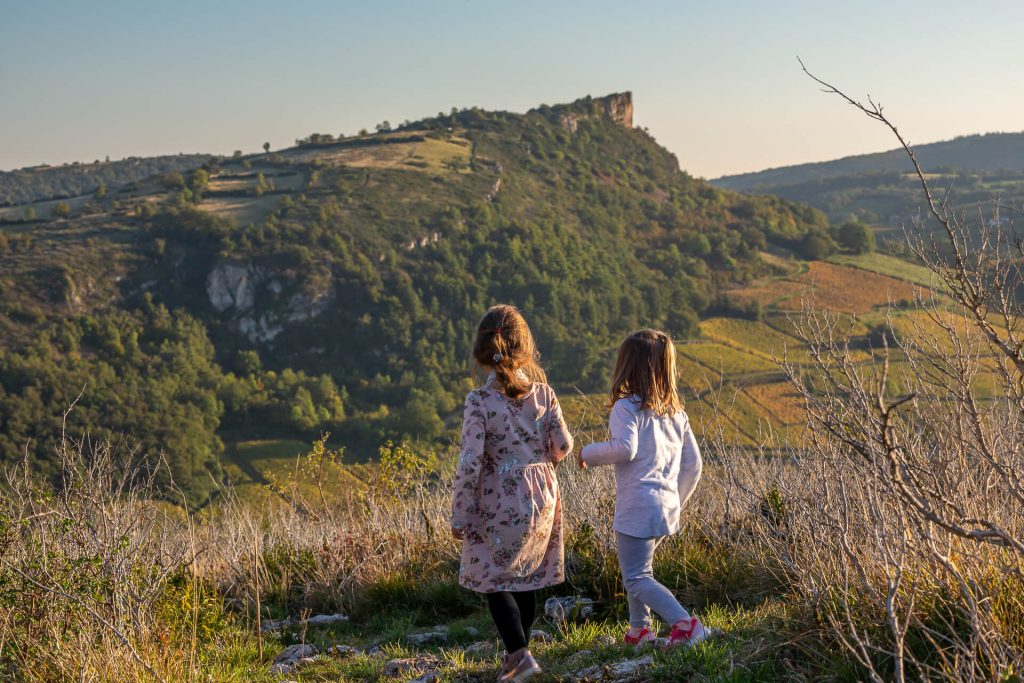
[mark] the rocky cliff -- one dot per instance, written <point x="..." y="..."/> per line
<point x="619" y="108"/>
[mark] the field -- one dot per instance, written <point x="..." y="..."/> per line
<point x="752" y="336"/>
<point x="829" y="286"/>
<point x="726" y="360"/>
<point x="887" y="265"/>
<point x="397" y="150"/>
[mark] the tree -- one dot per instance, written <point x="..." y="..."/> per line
<point x="384" y="127"/>
<point x="61" y="210"/>
<point x="101" y="191"/>
<point x="856" y="237"/>
<point x="200" y="180"/>
<point x="30" y="213"/>
<point x="266" y="147"/>
<point x="816" y="246"/>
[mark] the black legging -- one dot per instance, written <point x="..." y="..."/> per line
<point x="513" y="614"/>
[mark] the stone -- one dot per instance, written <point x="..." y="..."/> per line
<point x="541" y="636"/>
<point x="561" y="610"/>
<point x="483" y="647"/>
<point x="272" y="625"/>
<point x="326" y="619"/>
<point x="438" y="634"/>
<point x="472" y="632"/>
<point x="343" y="651"/>
<point x="396" y="667"/>
<point x="304" y="662"/>
<point x="289" y="659"/>
<point x="431" y="677"/>
<point x="604" y="640"/>
<point x="620" y="671"/>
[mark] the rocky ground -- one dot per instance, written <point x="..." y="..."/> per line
<point x="568" y="643"/>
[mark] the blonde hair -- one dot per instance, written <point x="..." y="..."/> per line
<point x="505" y="344"/>
<point x="646" y="367"/>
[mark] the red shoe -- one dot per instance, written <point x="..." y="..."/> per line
<point x="687" y="632"/>
<point x="646" y="635"/>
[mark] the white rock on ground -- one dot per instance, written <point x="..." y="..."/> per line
<point x="483" y="647"/>
<point x="619" y="671"/>
<point x="396" y="667"/>
<point x="541" y="636"/>
<point x="326" y="619"/>
<point x="315" y="620"/>
<point x="438" y="634"/>
<point x="432" y="677"/>
<point x="560" y="610"/>
<point x="287" y="661"/>
<point x="342" y="651"/>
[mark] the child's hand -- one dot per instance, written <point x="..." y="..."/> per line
<point x="580" y="461"/>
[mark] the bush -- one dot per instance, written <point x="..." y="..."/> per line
<point x="856" y="237"/>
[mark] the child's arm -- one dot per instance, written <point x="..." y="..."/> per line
<point x="622" y="446"/>
<point x="465" y="492"/>
<point x="559" y="437"/>
<point x="691" y="465"/>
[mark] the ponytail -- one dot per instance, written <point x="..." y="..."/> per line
<point x="505" y="344"/>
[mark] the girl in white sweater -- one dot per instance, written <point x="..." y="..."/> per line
<point x="657" y="466"/>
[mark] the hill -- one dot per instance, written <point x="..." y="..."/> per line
<point x="41" y="183"/>
<point x="882" y="190"/>
<point x="335" y="286"/>
<point x="985" y="153"/>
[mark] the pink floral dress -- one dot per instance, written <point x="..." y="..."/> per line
<point x="506" y="495"/>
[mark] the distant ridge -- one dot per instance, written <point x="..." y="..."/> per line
<point x="986" y="152"/>
<point x="38" y="183"/>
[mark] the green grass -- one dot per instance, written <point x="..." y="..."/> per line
<point x="258" y="468"/>
<point x="887" y="265"/>
<point x="753" y="336"/>
<point x="730" y="362"/>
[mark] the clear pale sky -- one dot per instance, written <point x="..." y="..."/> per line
<point x="716" y="82"/>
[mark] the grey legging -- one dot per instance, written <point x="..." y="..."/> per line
<point x="636" y="556"/>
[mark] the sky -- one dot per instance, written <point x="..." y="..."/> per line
<point x="717" y="83"/>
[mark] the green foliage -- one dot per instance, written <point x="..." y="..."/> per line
<point x="400" y="468"/>
<point x="148" y="376"/>
<point x="856" y="237"/>
<point x="816" y="246"/>
<point x="61" y="210"/>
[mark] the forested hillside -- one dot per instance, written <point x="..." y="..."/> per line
<point x="881" y="189"/>
<point x="335" y="286"/>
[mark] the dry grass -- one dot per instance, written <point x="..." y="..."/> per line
<point x="828" y="286"/>
<point x="450" y="155"/>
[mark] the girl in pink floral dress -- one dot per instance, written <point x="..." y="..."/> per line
<point x="506" y="508"/>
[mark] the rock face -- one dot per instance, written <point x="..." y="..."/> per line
<point x="619" y="108"/>
<point x="254" y="302"/>
<point x="233" y="285"/>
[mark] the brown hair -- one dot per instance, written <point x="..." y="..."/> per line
<point x="505" y="344"/>
<point x="646" y="367"/>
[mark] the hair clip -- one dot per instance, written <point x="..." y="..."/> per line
<point x="497" y="330"/>
<point x="497" y="358"/>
